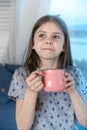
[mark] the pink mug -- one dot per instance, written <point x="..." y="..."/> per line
<point x="53" y="80"/>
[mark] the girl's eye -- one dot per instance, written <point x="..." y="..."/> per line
<point x="56" y="37"/>
<point x="41" y="35"/>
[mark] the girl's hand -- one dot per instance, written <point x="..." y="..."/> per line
<point x="34" y="82"/>
<point x="70" y="83"/>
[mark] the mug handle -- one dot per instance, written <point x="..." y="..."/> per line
<point x="41" y="75"/>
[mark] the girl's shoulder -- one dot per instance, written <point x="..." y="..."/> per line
<point x="77" y="74"/>
<point x="22" y="71"/>
<point x="81" y="83"/>
<point x="18" y="85"/>
<point x="75" y="71"/>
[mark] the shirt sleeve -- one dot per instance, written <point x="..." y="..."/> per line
<point x="81" y="83"/>
<point x="18" y="86"/>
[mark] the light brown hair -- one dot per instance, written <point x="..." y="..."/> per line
<point x="32" y="60"/>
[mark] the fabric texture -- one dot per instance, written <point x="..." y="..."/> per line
<point x="5" y="79"/>
<point x="6" y="73"/>
<point x="7" y="116"/>
<point x="7" y="105"/>
<point x="56" y="109"/>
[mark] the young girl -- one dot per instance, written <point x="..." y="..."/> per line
<point x="49" y="48"/>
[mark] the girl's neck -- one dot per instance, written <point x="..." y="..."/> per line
<point x="49" y="65"/>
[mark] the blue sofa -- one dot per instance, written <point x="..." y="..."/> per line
<point x="7" y="106"/>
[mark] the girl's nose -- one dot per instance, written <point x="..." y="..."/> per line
<point x="49" y="41"/>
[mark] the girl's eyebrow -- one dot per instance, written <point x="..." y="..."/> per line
<point x="56" y="33"/>
<point x="45" y="32"/>
<point x="41" y="32"/>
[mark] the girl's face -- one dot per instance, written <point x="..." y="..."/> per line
<point x="49" y="41"/>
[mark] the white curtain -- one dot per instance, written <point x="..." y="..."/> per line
<point x="28" y="11"/>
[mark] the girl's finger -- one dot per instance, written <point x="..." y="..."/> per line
<point x="68" y="77"/>
<point x="32" y="76"/>
<point x="36" y="85"/>
<point x="39" y="88"/>
<point x="69" y="84"/>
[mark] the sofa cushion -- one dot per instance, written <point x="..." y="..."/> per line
<point x="11" y="67"/>
<point x="6" y="73"/>
<point x="5" y="78"/>
<point x="7" y="116"/>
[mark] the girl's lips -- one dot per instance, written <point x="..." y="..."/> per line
<point x="48" y="49"/>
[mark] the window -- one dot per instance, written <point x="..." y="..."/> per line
<point x="6" y="21"/>
<point x="74" y="14"/>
